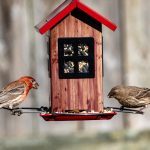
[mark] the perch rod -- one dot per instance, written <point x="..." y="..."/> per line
<point x="126" y="110"/>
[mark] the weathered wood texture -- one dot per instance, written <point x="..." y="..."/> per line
<point x="76" y="93"/>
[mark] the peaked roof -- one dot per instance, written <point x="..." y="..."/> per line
<point x="67" y="7"/>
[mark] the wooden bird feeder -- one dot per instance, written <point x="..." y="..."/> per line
<point x="75" y="62"/>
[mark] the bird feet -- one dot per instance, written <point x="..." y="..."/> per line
<point x="122" y="108"/>
<point x="16" y="112"/>
<point x="134" y="111"/>
<point x="139" y="112"/>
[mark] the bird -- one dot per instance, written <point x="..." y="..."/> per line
<point x="13" y="94"/>
<point x="131" y="96"/>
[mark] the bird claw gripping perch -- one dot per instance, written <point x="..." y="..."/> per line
<point x="16" y="112"/>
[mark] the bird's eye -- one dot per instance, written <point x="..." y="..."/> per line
<point x="32" y="80"/>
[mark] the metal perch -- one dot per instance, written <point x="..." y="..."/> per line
<point x="20" y="111"/>
<point x="125" y="110"/>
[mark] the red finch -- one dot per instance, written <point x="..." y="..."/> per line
<point x="15" y="92"/>
<point x="131" y="96"/>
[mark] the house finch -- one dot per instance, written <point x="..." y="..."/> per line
<point x="131" y="96"/>
<point x="15" y="92"/>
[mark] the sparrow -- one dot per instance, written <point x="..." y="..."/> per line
<point x="16" y="92"/>
<point x="131" y="96"/>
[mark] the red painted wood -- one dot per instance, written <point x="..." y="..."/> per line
<point x="76" y="4"/>
<point x="76" y="117"/>
<point x="75" y="1"/>
<point x="57" y="18"/>
<point x="97" y="16"/>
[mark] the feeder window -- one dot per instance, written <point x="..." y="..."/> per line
<point x="83" y="67"/>
<point x="69" y="67"/>
<point x="83" y="50"/>
<point x="76" y="57"/>
<point x="68" y="50"/>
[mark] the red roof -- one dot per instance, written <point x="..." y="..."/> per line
<point x="64" y="9"/>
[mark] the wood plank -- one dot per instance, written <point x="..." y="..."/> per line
<point x="85" y="101"/>
<point x="87" y="31"/>
<point x="98" y="80"/>
<point x="77" y="33"/>
<point x="73" y="82"/>
<point x="64" y="95"/>
<point x="63" y="83"/>
<point x="54" y="66"/>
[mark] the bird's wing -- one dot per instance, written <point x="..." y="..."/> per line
<point x="11" y="93"/>
<point x="136" y="91"/>
<point x="145" y="92"/>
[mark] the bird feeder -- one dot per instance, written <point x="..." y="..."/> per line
<point x="75" y="62"/>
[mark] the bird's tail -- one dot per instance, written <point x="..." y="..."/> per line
<point x="3" y="105"/>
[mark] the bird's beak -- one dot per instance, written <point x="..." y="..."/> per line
<point x="110" y="95"/>
<point x="35" y="85"/>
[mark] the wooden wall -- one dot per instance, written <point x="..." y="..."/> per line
<point x="69" y="94"/>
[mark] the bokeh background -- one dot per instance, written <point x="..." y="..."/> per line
<point x="23" y="51"/>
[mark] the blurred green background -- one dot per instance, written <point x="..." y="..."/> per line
<point x="23" y="51"/>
